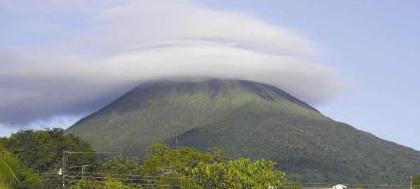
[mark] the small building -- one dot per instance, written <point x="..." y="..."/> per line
<point x="339" y="186"/>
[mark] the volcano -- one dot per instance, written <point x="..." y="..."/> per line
<point x="248" y="119"/>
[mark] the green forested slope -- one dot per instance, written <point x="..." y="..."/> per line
<point x="247" y="119"/>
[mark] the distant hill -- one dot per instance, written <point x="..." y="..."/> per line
<point x="247" y="119"/>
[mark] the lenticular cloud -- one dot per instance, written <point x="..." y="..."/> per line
<point x="124" y="44"/>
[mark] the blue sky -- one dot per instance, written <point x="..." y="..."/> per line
<point x="371" y="45"/>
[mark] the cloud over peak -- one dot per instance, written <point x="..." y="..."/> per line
<point x="111" y="47"/>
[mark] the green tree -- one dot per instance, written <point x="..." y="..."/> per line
<point x="166" y="167"/>
<point x="237" y="174"/>
<point x="160" y="159"/>
<point x="8" y="168"/>
<point x="121" y="166"/>
<point x="12" y="174"/>
<point x="87" y="184"/>
<point x="191" y="168"/>
<point x="124" y="170"/>
<point x="42" y="152"/>
<point x="109" y="183"/>
<point x="117" y="172"/>
<point x="416" y="182"/>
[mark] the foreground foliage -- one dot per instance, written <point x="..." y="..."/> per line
<point x="8" y="168"/>
<point x="416" y="182"/>
<point x="107" y="184"/>
<point x="186" y="168"/>
<point x="42" y="151"/>
<point x="240" y="173"/>
<point x="13" y="174"/>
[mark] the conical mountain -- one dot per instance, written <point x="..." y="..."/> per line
<point x="247" y="119"/>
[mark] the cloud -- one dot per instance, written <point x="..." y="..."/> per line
<point x="116" y="46"/>
<point x="6" y="131"/>
<point x="41" y="124"/>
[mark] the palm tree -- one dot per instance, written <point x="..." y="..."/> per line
<point x="8" y="166"/>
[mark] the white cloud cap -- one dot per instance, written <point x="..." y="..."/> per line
<point x="135" y="41"/>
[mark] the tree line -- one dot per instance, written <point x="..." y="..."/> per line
<point x="50" y="158"/>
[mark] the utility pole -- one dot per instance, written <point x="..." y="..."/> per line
<point x="411" y="182"/>
<point x="176" y="140"/>
<point x="64" y="169"/>
<point x="83" y="170"/>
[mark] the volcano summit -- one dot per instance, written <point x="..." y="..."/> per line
<point x="250" y="119"/>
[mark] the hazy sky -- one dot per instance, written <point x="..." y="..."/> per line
<point x="357" y="61"/>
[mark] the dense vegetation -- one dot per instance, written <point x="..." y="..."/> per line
<point x="8" y="168"/>
<point x="186" y="168"/>
<point x="13" y="174"/>
<point x="247" y="119"/>
<point x="39" y="156"/>
<point x="416" y="182"/>
<point x="42" y="151"/>
<point x="163" y="167"/>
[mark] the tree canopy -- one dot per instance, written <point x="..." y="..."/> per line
<point x="42" y="151"/>
<point x="163" y="167"/>
<point x="13" y="174"/>
<point x="186" y="168"/>
<point x="8" y="168"/>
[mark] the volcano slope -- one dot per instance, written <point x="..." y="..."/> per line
<point x="247" y="119"/>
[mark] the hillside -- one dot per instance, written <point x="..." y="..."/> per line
<point x="247" y="119"/>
